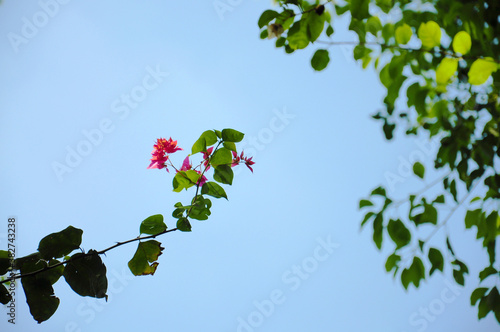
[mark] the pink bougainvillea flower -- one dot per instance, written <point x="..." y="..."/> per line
<point x="237" y="159"/>
<point x="160" y="152"/>
<point x="206" y="155"/>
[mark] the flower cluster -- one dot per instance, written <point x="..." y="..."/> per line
<point x="160" y="152"/>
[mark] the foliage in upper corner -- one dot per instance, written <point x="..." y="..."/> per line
<point x="440" y="66"/>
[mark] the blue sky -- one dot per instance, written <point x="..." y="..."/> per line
<point x="285" y="253"/>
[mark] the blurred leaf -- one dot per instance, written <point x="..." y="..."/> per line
<point x="266" y="17"/>
<point x="297" y="36"/>
<point x="446" y="69"/>
<point x="459" y="271"/>
<point x="5" y="296"/>
<point x="145" y="257"/>
<point x="488" y="271"/>
<point x="477" y="294"/>
<point x="398" y="232"/>
<point x="419" y="169"/>
<point x="436" y="259"/>
<point x="359" y="9"/>
<point x="153" y="225"/>
<point x="329" y="30"/>
<point x="59" y="244"/>
<point x="462" y="43"/>
<point x="430" y="34"/>
<point x="392" y="262"/>
<point x="403" y="34"/>
<point x="320" y="60"/>
<point x="481" y="69"/>
<point x="377" y="231"/>
<point x="5" y="262"/>
<point x="365" y="202"/>
<point x="86" y="275"/>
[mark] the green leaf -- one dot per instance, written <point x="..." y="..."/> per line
<point x="488" y="271"/>
<point x="378" y="231"/>
<point x="266" y="17"/>
<point x="59" y="244"/>
<point x="153" y="225"/>
<point x="419" y="170"/>
<point x="462" y="43"/>
<point x="185" y="180"/>
<point x="213" y="189"/>
<point x="222" y="156"/>
<point x="145" y="258"/>
<point x="413" y="274"/>
<point x="436" y="259"/>
<point x="430" y="34"/>
<point x="38" y="288"/>
<point x="380" y="191"/>
<point x="315" y="24"/>
<point x="359" y="9"/>
<point x="367" y="217"/>
<point x="200" y="208"/>
<point x="5" y="262"/>
<point x="481" y="70"/>
<point x="477" y="294"/>
<point x="231" y="135"/>
<point x="329" y="30"/>
<point x="5" y="296"/>
<point x="473" y="218"/>
<point x="86" y="275"/>
<point x="398" y="232"/>
<point x="223" y="174"/>
<point x="445" y="70"/>
<point x="297" y="36"/>
<point x="403" y="34"/>
<point x="230" y="146"/>
<point x="206" y="139"/>
<point x="320" y="60"/>
<point x="373" y="25"/>
<point x="183" y="225"/>
<point x="392" y="262"/>
<point x="459" y="271"/>
<point x="365" y="202"/>
<point x="264" y="34"/>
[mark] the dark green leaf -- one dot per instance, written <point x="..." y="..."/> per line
<point x="200" y="209"/>
<point x="145" y="258"/>
<point x="378" y="191"/>
<point x="436" y="259"/>
<point x="458" y="273"/>
<point x="5" y="262"/>
<point x="377" y="231"/>
<point x="419" y="170"/>
<point x="320" y="60"/>
<point x="315" y="24"/>
<point x="448" y="245"/>
<point x="399" y="233"/>
<point x="153" y="225"/>
<point x="223" y="174"/>
<point x="86" y="275"/>
<point x="213" y="189"/>
<point x="59" y="244"/>
<point x="367" y="217"/>
<point x="477" y="294"/>
<point x="231" y="135"/>
<point x="5" y="296"/>
<point x="392" y="262"/>
<point x="329" y="30"/>
<point x="488" y="271"/>
<point x="364" y="202"/>
<point x="266" y="17"/>
<point x="359" y="9"/>
<point x="184" y="225"/>
<point x="473" y="218"/>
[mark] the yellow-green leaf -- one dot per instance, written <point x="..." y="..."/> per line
<point x="481" y="69"/>
<point x="446" y="69"/>
<point x="403" y="34"/>
<point x="430" y="34"/>
<point x="462" y="43"/>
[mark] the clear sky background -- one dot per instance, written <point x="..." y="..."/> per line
<point x="317" y="152"/>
